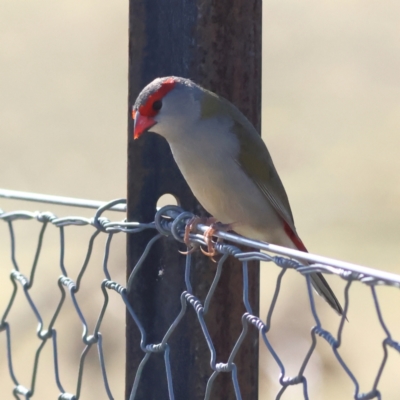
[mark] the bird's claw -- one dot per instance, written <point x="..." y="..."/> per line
<point x="190" y="250"/>
<point x="191" y="226"/>
<point x="208" y="234"/>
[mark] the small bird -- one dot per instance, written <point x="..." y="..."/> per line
<point x="224" y="161"/>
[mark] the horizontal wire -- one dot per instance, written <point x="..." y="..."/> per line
<point x="60" y="200"/>
<point x="314" y="258"/>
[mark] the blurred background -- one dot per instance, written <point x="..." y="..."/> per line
<point x="331" y="119"/>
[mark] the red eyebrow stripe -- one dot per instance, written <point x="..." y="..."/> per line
<point x="147" y="108"/>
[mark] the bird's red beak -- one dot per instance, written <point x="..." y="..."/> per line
<point x="142" y="124"/>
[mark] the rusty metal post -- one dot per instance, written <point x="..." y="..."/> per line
<point x="218" y="45"/>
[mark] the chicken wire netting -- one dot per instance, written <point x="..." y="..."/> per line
<point x="169" y="221"/>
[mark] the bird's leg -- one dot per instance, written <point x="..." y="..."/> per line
<point x="191" y="226"/>
<point x="208" y="234"/>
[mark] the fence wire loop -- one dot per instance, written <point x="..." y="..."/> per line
<point x="171" y="221"/>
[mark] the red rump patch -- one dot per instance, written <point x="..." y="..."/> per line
<point x="147" y="108"/>
<point x="294" y="238"/>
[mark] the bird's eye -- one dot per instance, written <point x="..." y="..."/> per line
<point x="157" y="105"/>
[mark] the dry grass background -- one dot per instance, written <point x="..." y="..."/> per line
<point x="331" y="118"/>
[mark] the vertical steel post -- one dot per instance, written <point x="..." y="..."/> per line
<point x="218" y="45"/>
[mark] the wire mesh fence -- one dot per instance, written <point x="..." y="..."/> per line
<point x="170" y="221"/>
